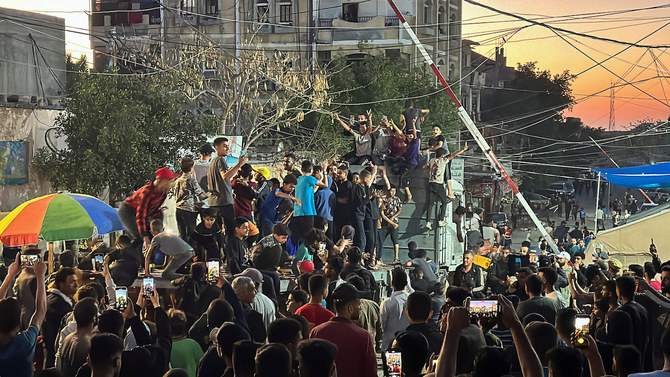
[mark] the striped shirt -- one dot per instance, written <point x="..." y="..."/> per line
<point x="147" y="202"/>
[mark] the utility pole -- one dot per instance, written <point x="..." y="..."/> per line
<point x="470" y="125"/>
<point x="611" y="121"/>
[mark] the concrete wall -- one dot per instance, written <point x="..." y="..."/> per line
<point x="20" y="61"/>
<point x="25" y="124"/>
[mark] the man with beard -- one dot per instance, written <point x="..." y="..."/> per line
<point x="498" y="272"/>
<point x="356" y="352"/>
<point x="289" y="167"/>
<point x="563" y="269"/>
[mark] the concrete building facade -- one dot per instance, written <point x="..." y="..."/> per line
<point x="32" y="57"/>
<point x="32" y="88"/>
<point x="310" y="29"/>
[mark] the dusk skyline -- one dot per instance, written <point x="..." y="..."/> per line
<point x="542" y="45"/>
<point x="534" y="43"/>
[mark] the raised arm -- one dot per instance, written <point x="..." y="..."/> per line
<point x="289" y="197"/>
<point x="147" y="259"/>
<point x="530" y="363"/>
<point x="395" y="128"/>
<point x="40" y="297"/>
<point x="12" y="272"/>
<point x="344" y="125"/>
<point x="228" y="175"/>
<point x="456" y="320"/>
<point x="324" y="176"/>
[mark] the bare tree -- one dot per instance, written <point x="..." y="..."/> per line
<point x="257" y="91"/>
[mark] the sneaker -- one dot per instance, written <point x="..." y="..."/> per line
<point x="442" y="223"/>
<point x="429" y="225"/>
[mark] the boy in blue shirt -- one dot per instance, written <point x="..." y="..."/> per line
<point x="268" y="212"/>
<point x="303" y="213"/>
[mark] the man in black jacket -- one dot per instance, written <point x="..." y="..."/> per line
<point x="59" y="303"/>
<point x="353" y="264"/>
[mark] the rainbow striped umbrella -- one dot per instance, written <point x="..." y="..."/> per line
<point x="58" y="217"/>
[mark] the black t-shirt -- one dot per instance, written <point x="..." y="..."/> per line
<point x="204" y="235"/>
<point x="434" y="141"/>
<point x="360" y="201"/>
<point x="577" y="234"/>
<point x="409" y="115"/>
<point x="344" y="190"/>
<point x="237" y="254"/>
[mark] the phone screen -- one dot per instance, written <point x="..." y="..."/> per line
<point x="148" y="287"/>
<point x="582" y="323"/>
<point x="213" y="270"/>
<point x="484" y="308"/>
<point x="97" y="262"/>
<point x="322" y="249"/>
<point x="121" y="298"/>
<point x="581" y="328"/>
<point x="394" y="364"/>
<point x="29" y="260"/>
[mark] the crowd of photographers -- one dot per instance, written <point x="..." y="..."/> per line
<point x="223" y="313"/>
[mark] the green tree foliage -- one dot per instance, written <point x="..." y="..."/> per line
<point x="381" y="85"/>
<point x="119" y="129"/>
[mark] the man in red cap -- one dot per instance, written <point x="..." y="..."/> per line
<point x="145" y="204"/>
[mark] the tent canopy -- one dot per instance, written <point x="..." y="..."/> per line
<point x="643" y="177"/>
<point x="630" y="242"/>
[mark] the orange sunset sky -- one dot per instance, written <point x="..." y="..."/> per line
<point x="531" y="44"/>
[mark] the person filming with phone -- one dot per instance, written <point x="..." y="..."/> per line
<point x="18" y="347"/>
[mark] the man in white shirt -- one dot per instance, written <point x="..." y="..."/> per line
<point x="393" y="308"/>
<point x="490" y="232"/>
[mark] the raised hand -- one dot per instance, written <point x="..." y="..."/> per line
<point x="458" y="318"/>
<point x="15" y="268"/>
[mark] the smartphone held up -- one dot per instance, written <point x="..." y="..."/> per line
<point x="29" y="260"/>
<point x="394" y="363"/>
<point x="582" y="322"/>
<point x="121" y="298"/>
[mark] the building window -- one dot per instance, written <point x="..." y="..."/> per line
<point x="392" y="53"/>
<point x="324" y="56"/>
<point x="350" y="12"/>
<point x="285" y="10"/>
<point x="262" y="12"/>
<point x="187" y="7"/>
<point x="212" y="7"/>
<point x="440" y="21"/>
<point x="426" y="15"/>
<point x="453" y="26"/>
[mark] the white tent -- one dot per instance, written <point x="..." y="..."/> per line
<point x="630" y="242"/>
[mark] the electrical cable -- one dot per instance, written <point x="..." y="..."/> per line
<point x="554" y="29"/>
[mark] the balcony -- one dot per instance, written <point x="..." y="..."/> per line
<point x="388" y="21"/>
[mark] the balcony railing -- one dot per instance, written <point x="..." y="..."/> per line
<point x="388" y="21"/>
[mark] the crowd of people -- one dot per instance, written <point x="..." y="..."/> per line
<point x="222" y="311"/>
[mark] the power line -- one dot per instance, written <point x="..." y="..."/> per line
<point x="544" y="25"/>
